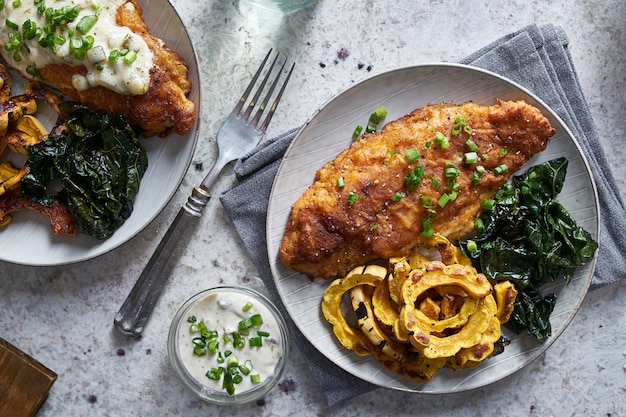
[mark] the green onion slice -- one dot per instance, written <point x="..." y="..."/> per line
<point x="412" y="155"/>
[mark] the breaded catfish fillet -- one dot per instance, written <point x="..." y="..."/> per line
<point x="372" y="202"/>
<point x="162" y="109"/>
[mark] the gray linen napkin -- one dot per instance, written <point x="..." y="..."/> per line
<point x="535" y="57"/>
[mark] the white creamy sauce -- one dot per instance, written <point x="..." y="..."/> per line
<point x="122" y="77"/>
<point x="222" y="313"/>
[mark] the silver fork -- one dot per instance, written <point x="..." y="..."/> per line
<point x="239" y="134"/>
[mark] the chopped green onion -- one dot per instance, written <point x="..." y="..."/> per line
<point x="397" y="196"/>
<point x="213" y="345"/>
<point x="412" y="155"/>
<point x="228" y="384"/>
<point x="461" y="125"/>
<point x="375" y="226"/>
<point x="471" y="158"/>
<point x="479" y="225"/>
<point x="442" y="140"/>
<point x="245" y="324"/>
<point x="199" y="346"/>
<point x="257" y="320"/>
<point x="256" y="341"/>
<point x="238" y="341"/>
<point x="247" y="306"/>
<point x="413" y="178"/>
<point x="12" y="25"/>
<point x="245" y="368"/>
<point x="352" y="198"/>
<point x="502" y="152"/>
<point x="16" y="3"/>
<point x="374" y="119"/>
<point x="480" y="169"/>
<point x="488" y="204"/>
<point x="451" y="170"/>
<point x="255" y="378"/>
<point x="130" y="57"/>
<point x="32" y="70"/>
<point x="191" y="319"/>
<point x="233" y="360"/>
<point x="501" y="169"/>
<point x="114" y="55"/>
<point x="380" y="111"/>
<point x="214" y="374"/>
<point x="426" y="201"/>
<point x="427" y="230"/>
<point x="472" y="246"/>
<point x="370" y="128"/>
<point x="376" y="116"/>
<point x="340" y="182"/>
<point x="443" y="200"/>
<point x="86" y="23"/>
<point x="262" y="333"/>
<point x="357" y="131"/>
<point x="471" y="145"/>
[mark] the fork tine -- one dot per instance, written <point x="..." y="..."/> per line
<point x="250" y="86"/>
<point x="270" y="114"/>
<point x="258" y="114"/>
<point x="259" y="90"/>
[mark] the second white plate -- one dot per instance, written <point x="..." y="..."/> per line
<point x="27" y="240"/>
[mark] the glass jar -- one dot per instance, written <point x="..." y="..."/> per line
<point x="207" y="341"/>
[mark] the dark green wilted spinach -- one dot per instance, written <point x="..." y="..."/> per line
<point x="531" y="239"/>
<point x="99" y="164"/>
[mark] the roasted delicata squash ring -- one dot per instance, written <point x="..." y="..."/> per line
<point x="399" y="271"/>
<point x="505" y="295"/>
<point x="361" y="297"/>
<point x="10" y="177"/>
<point x="423" y="314"/>
<point x="472" y="356"/>
<point x="349" y="337"/>
<point x="415" y="366"/>
<point x="25" y="131"/>
<point x="471" y="324"/>
<point x="386" y="310"/>
<point x="450" y="254"/>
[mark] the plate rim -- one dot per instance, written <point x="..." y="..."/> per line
<point x="591" y="265"/>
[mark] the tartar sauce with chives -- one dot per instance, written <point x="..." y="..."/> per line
<point x="37" y="33"/>
<point x="229" y="341"/>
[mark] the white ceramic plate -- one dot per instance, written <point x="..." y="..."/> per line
<point x="329" y="131"/>
<point x="28" y="240"/>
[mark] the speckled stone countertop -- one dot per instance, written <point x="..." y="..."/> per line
<point x="63" y="315"/>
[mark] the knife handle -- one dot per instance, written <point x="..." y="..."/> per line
<point x="134" y="313"/>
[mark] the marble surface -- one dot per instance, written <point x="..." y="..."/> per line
<point x="63" y="315"/>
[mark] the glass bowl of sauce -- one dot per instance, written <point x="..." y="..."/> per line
<point x="229" y="345"/>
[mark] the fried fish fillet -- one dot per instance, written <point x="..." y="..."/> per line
<point x="385" y="203"/>
<point x="163" y="108"/>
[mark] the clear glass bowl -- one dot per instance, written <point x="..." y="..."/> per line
<point x="213" y="395"/>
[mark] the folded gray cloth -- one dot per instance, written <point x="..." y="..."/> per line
<point x="535" y="57"/>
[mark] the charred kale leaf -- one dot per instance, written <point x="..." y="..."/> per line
<point x="530" y="239"/>
<point x="99" y="164"/>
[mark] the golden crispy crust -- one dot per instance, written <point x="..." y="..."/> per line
<point x="164" y="108"/>
<point x="326" y="236"/>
